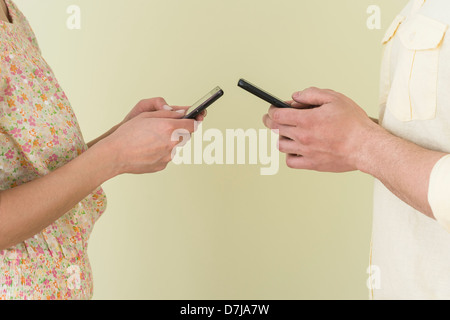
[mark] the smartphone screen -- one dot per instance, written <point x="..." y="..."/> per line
<point x="205" y="102"/>
<point x="260" y="93"/>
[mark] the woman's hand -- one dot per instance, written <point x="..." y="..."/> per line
<point x="144" y="143"/>
<point x="143" y="106"/>
<point x="157" y="104"/>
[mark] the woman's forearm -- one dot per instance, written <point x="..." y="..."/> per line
<point x="143" y="144"/>
<point x="28" y="209"/>
<point x="103" y="136"/>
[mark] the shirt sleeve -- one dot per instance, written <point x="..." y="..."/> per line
<point x="26" y="27"/>
<point x="439" y="192"/>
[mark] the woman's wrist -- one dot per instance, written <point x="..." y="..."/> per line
<point x="105" y="159"/>
<point x="103" y="136"/>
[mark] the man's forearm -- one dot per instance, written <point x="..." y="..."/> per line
<point x="340" y="137"/>
<point x="402" y="166"/>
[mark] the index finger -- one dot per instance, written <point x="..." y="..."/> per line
<point x="162" y="114"/>
<point x="152" y="104"/>
<point x="285" y="116"/>
<point x="185" y="108"/>
<point x="200" y="117"/>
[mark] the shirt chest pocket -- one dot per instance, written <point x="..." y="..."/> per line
<point x="413" y="91"/>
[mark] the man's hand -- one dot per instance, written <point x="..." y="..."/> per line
<point x="338" y="136"/>
<point x="330" y="137"/>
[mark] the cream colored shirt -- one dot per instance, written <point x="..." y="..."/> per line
<point x="411" y="251"/>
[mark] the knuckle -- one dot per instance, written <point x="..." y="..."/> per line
<point x="167" y="159"/>
<point x="159" y="100"/>
<point x="276" y="115"/>
<point x="297" y="135"/>
<point x="173" y="144"/>
<point x="283" y="149"/>
<point x="169" y="127"/>
<point x="166" y="147"/>
<point x="334" y="96"/>
<point x="305" y="139"/>
<point x="160" y="166"/>
<point x="311" y="90"/>
<point x="332" y="92"/>
<point x="189" y="126"/>
<point x="274" y="125"/>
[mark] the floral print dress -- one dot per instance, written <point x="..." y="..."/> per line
<point x="38" y="134"/>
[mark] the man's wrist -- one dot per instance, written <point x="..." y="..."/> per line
<point x="375" y="140"/>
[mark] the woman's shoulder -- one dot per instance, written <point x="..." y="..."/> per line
<point x="21" y="23"/>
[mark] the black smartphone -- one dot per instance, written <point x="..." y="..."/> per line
<point x="262" y="94"/>
<point x="205" y="102"/>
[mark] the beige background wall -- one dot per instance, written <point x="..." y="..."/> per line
<point x="220" y="231"/>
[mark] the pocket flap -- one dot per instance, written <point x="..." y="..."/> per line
<point x="390" y="32"/>
<point x="422" y="33"/>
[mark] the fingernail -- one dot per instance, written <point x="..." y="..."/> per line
<point x="166" y="107"/>
<point x="181" y="111"/>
